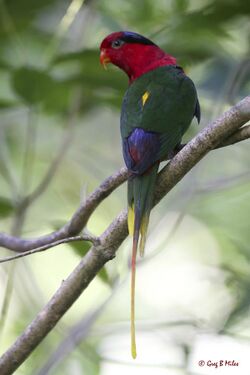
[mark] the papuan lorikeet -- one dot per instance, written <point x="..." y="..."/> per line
<point x="157" y="109"/>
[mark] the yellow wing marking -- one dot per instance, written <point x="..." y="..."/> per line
<point x="145" y="97"/>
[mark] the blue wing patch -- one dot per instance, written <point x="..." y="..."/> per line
<point x="140" y="150"/>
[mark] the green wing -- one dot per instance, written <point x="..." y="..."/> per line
<point x="163" y="101"/>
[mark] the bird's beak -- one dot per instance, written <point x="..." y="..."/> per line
<point x="104" y="58"/>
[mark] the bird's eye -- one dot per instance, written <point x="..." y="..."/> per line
<point x="117" y="43"/>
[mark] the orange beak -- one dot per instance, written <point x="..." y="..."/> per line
<point x="104" y="58"/>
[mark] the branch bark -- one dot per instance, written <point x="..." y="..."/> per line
<point x="208" y="139"/>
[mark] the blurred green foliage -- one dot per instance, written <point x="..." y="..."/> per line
<point x="81" y="248"/>
<point x="52" y="86"/>
<point x="6" y="207"/>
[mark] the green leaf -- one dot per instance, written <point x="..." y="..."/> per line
<point x="38" y="87"/>
<point x="81" y="248"/>
<point x="4" y="104"/>
<point x="88" y="70"/>
<point x="57" y="100"/>
<point x="32" y="85"/>
<point x="180" y="6"/>
<point x="86" y="57"/>
<point x="6" y="207"/>
<point x="21" y="13"/>
<point x="4" y="65"/>
<point x="103" y="274"/>
<point x="98" y="86"/>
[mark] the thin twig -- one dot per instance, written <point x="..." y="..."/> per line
<point x="168" y="239"/>
<point x="10" y="272"/>
<point x="239" y="77"/>
<point x="49" y="175"/>
<point x="83" y="237"/>
<point x="64" y="25"/>
<point x="29" y="150"/>
<point x="224" y="183"/>
<point x="6" y="167"/>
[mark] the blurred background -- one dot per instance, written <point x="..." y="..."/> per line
<point x="59" y="138"/>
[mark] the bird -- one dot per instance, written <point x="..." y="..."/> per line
<point x="157" y="109"/>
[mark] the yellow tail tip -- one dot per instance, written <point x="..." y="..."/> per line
<point x="133" y="351"/>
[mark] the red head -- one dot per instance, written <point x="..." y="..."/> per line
<point x="133" y="53"/>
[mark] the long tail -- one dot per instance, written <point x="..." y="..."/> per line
<point x="140" y="200"/>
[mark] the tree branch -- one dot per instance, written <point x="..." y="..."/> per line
<point x="114" y="235"/>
